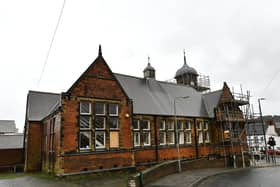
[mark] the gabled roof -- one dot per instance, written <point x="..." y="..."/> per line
<point x="157" y="98"/>
<point x="255" y="128"/>
<point x="41" y="104"/>
<point x="211" y="101"/>
<point x="271" y="131"/>
<point x="7" y="126"/>
<point x="11" y="141"/>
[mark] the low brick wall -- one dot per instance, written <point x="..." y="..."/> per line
<point x="169" y="167"/>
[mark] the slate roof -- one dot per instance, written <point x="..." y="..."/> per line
<point x="11" y="141"/>
<point x="211" y="101"/>
<point x="157" y="98"/>
<point x="150" y="97"/>
<point x="41" y="104"/>
<point x="7" y="126"/>
<point x="255" y="128"/>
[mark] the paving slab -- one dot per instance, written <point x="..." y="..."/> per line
<point x="186" y="178"/>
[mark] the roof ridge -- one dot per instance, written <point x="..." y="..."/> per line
<point x="208" y="93"/>
<point x="7" y="120"/>
<point x="164" y="82"/>
<point x="43" y="92"/>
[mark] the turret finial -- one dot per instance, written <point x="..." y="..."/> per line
<point x="100" y="51"/>
<point x="185" y="61"/>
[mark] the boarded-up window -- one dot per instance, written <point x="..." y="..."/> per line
<point x="114" y="139"/>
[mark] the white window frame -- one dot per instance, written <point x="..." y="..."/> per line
<point x="90" y="142"/>
<point x="172" y="125"/>
<point x="188" y="125"/>
<point x="104" y="139"/>
<point x="149" y="138"/>
<point x="82" y="113"/>
<point x="134" y="138"/>
<point x="138" y="125"/>
<point x="104" y="123"/>
<point x="180" y="125"/>
<point x="207" y="137"/>
<point x="199" y="125"/>
<point x="104" y="109"/>
<point x="117" y="110"/>
<point x="190" y="135"/>
<point x="181" y="140"/>
<point x="164" y="138"/>
<point x="206" y="124"/>
<point x="149" y="126"/>
<point x="164" y="125"/>
<point x="118" y="125"/>
<point x="200" y="138"/>
<point x="90" y="122"/>
<point x="172" y="143"/>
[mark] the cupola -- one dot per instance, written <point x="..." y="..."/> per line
<point x="149" y="71"/>
<point x="186" y="75"/>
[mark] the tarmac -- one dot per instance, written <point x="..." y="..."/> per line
<point x="194" y="177"/>
<point x="189" y="178"/>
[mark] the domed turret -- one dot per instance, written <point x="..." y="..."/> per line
<point x="185" y="69"/>
<point x="149" y="71"/>
<point x="186" y="75"/>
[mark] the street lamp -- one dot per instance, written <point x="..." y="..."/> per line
<point x="177" y="135"/>
<point x="260" y="109"/>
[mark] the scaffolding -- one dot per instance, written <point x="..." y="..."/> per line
<point x="232" y="115"/>
<point x="203" y="83"/>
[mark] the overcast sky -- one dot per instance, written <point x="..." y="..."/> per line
<point x="233" y="41"/>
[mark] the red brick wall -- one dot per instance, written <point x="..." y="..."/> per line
<point x="97" y="83"/>
<point x="9" y="157"/>
<point x="78" y="163"/>
<point x="46" y="164"/>
<point x="33" y="148"/>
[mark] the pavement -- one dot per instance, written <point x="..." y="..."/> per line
<point x="35" y="181"/>
<point x="195" y="177"/>
<point x="186" y="178"/>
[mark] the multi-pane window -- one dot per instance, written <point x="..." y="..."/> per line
<point x="188" y="133"/>
<point x="199" y="128"/>
<point x="85" y="108"/>
<point x="207" y="139"/>
<point x="181" y="137"/>
<point x="170" y="137"/>
<point x="97" y="119"/>
<point x="181" y="134"/>
<point x="113" y="116"/>
<point x="206" y="132"/>
<point x="188" y="125"/>
<point x="100" y="125"/>
<point x="85" y="120"/>
<point x="200" y="137"/>
<point x="85" y="139"/>
<point x="188" y="137"/>
<point x="136" y="133"/>
<point x="162" y="133"/>
<point x="141" y="132"/>
<point x="99" y="139"/>
<point x="170" y="132"/>
<point x="99" y="109"/>
<point x="206" y="126"/>
<point x="146" y="131"/>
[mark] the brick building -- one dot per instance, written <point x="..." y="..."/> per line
<point x="108" y="121"/>
<point x="11" y="146"/>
